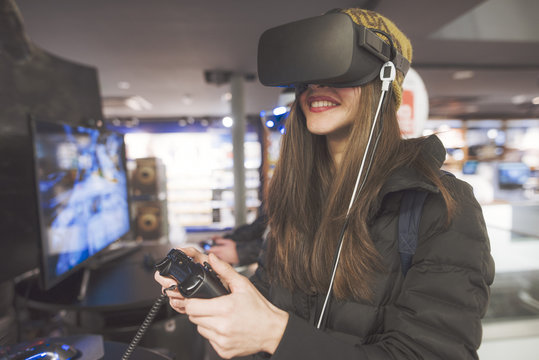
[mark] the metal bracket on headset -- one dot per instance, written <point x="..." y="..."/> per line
<point x="387" y="75"/>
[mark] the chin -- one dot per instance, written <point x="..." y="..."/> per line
<point x="319" y="131"/>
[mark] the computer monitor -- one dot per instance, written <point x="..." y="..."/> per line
<point x="512" y="175"/>
<point x="470" y="167"/>
<point x="82" y="192"/>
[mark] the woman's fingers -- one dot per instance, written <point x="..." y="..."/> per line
<point x="164" y="281"/>
<point x="219" y="343"/>
<point x="195" y="254"/>
<point x="178" y="305"/>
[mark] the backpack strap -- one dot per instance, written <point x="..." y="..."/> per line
<point x="409" y="217"/>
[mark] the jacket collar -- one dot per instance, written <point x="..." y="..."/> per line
<point x="405" y="178"/>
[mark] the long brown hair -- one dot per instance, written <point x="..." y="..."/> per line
<point x="308" y="197"/>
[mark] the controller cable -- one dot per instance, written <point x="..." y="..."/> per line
<point x="387" y="75"/>
<point x="147" y="321"/>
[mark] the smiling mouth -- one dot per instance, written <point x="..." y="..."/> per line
<point x="322" y="104"/>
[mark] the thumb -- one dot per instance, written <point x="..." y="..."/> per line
<point x="224" y="270"/>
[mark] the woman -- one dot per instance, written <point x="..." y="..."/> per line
<point x="375" y="311"/>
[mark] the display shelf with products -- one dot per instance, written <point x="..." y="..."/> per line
<point x="198" y="159"/>
<point x="498" y="157"/>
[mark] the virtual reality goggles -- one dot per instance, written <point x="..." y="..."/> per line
<point x="330" y="50"/>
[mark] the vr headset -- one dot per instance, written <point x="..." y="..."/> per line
<point x="330" y="50"/>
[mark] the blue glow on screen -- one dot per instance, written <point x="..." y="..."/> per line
<point x="513" y="174"/>
<point x="82" y="193"/>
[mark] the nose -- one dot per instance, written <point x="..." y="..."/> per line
<point x="315" y="86"/>
<point x="300" y="89"/>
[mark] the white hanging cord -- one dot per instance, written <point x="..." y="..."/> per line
<point x="387" y="75"/>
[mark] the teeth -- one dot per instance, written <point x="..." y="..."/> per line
<point x="322" y="103"/>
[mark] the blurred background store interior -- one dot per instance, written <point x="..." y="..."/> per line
<point x="176" y="78"/>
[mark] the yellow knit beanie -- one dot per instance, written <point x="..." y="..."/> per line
<point x="373" y="20"/>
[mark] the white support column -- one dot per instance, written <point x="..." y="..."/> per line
<point x="238" y="140"/>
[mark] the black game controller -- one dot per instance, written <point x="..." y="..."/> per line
<point x="194" y="279"/>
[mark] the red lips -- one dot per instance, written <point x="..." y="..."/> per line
<point x="321" y="103"/>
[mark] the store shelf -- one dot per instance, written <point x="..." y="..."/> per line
<point x="200" y="176"/>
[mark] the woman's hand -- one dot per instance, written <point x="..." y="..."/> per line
<point x="240" y="323"/>
<point x="176" y="299"/>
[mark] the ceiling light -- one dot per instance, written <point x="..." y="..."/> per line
<point x="187" y="99"/>
<point x="131" y="122"/>
<point x="535" y="100"/>
<point x="518" y="99"/>
<point x="492" y="134"/>
<point x="463" y="75"/>
<point x="228" y="121"/>
<point x="114" y="103"/>
<point x="124" y="85"/>
<point x="226" y="97"/>
<point x="138" y="103"/>
<point x="280" y="110"/>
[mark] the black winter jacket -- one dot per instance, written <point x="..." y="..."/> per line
<point x="434" y="312"/>
<point x="249" y="239"/>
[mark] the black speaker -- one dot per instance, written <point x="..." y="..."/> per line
<point x="151" y="220"/>
<point x="149" y="178"/>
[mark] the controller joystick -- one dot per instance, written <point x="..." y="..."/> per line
<point x="194" y="280"/>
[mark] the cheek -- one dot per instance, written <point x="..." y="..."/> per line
<point x="303" y="103"/>
<point x="353" y="109"/>
<point x="352" y="98"/>
<point x="351" y="114"/>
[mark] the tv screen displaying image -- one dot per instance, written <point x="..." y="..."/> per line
<point x="82" y="195"/>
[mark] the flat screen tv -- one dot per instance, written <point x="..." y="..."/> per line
<point x="82" y="195"/>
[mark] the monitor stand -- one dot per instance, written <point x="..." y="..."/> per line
<point x="114" y="252"/>
<point x="125" y="280"/>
